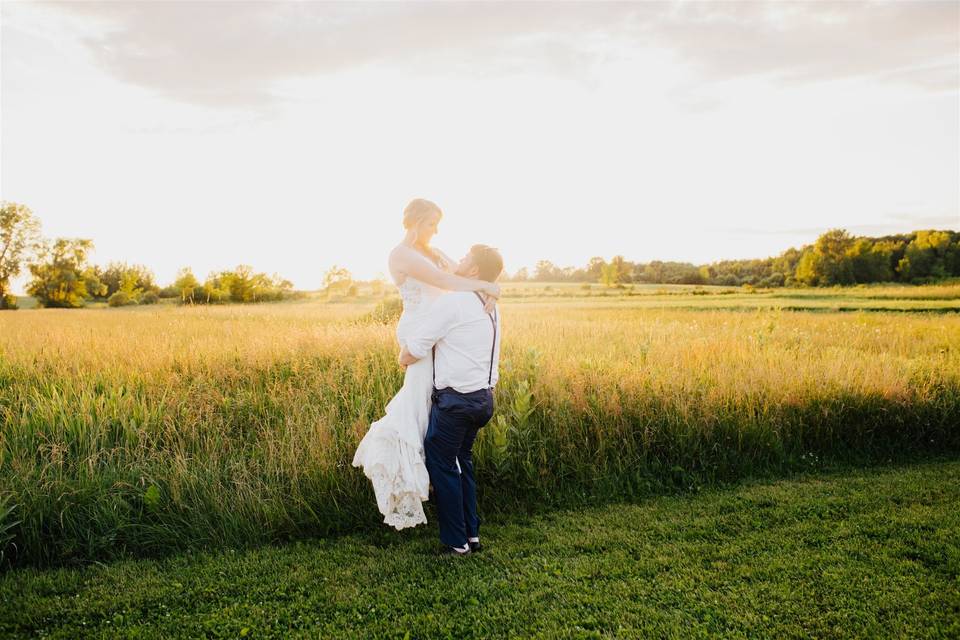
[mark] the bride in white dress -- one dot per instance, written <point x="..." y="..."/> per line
<point x="391" y="452"/>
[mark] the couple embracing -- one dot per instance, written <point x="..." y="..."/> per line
<point x="449" y="334"/>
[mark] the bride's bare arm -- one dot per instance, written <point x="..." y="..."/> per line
<point x="406" y="358"/>
<point x="406" y="260"/>
<point x="449" y="264"/>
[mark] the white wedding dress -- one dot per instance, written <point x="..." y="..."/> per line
<point x="391" y="452"/>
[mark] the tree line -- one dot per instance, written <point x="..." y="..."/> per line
<point x="61" y="275"/>
<point x="836" y="258"/>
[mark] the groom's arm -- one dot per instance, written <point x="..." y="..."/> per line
<point x="442" y="316"/>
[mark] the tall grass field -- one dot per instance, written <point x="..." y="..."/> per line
<point x="143" y="431"/>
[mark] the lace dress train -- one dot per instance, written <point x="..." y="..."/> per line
<point x="391" y="453"/>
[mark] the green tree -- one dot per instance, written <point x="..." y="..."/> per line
<point x="242" y="283"/>
<point x="545" y="271"/>
<point x="786" y="262"/>
<point x="595" y="268"/>
<point x="927" y="255"/>
<point x="214" y="291"/>
<point x="808" y="268"/>
<point x="952" y="258"/>
<point x="95" y="287"/>
<point x="654" y="271"/>
<point x="827" y="262"/>
<point x="623" y="268"/>
<point x="19" y="237"/>
<point x="60" y="273"/>
<point x="833" y="264"/>
<point x="337" y="279"/>
<point x="609" y="275"/>
<point x="137" y="277"/>
<point x="186" y="284"/>
<point x="128" y="285"/>
<point x="869" y="261"/>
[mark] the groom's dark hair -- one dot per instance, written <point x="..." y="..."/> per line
<point x="488" y="260"/>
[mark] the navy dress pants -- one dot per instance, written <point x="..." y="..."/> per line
<point x="455" y="419"/>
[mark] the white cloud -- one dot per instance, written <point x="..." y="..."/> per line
<point x="232" y="53"/>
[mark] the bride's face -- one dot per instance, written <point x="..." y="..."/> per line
<point x="428" y="228"/>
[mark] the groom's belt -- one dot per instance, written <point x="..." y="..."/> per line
<point x="479" y="393"/>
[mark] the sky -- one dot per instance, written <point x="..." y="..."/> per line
<point x="290" y="135"/>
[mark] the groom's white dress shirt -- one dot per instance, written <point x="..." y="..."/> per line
<point x="463" y="333"/>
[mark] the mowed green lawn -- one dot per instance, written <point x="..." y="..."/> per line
<point x="852" y="553"/>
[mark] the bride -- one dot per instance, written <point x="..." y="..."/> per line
<point x="391" y="452"/>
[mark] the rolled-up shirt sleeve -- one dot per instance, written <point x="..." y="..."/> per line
<point x="442" y="316"/>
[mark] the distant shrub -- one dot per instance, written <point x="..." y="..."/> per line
<point x="352" y="291"/>
<point x="169" y="292"/>
<point x="378" y="288"/>
<point x="150" y="297"/>
<point x="8" y="302"/>
<point x="121" y="299"/>
<point x="240" y="285"/>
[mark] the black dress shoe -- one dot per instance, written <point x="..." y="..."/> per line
<point x="475" y="546"/>
<point x="447" y="552"/>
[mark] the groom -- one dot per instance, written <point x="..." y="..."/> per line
<point x="464" y="343"/>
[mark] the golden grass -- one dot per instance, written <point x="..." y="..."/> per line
<point x="246" y="418"/>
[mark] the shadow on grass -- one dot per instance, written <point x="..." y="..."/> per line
<point x="514" y="512"/>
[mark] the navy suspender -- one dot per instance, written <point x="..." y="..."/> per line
<point x="493" y="346"/>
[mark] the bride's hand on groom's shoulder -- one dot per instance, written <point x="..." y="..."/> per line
<point x="490" y="296"/>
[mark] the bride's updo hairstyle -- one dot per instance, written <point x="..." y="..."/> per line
<point x="417" y="211"/>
